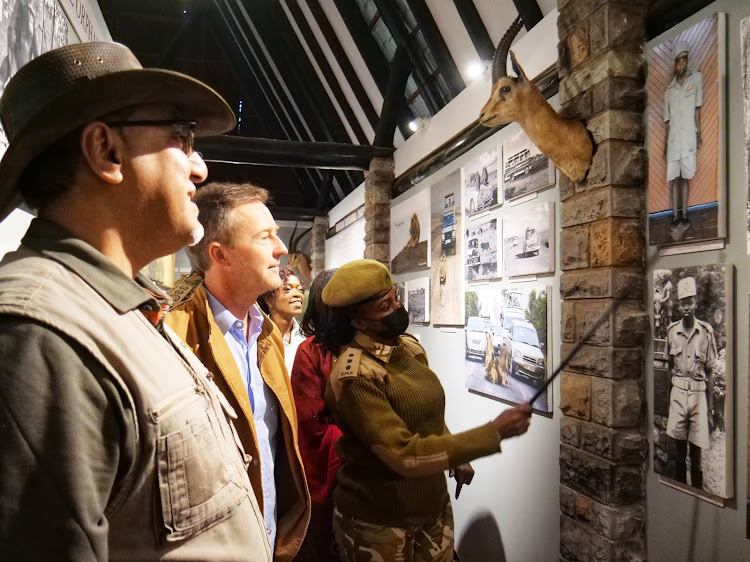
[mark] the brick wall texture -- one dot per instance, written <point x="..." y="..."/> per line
<point x="603" y="442"/>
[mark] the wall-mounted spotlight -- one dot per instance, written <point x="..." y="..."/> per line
<point x="419" y="123"/>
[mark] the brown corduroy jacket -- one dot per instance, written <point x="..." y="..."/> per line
<point x="193" y="321"/>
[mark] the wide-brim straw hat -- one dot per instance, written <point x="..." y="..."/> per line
<point x="64" y="89"/>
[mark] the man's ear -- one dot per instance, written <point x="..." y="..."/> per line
<point x="218" y="253"/>
<point x="102" y="150"/>
<point x="357" y="324"/>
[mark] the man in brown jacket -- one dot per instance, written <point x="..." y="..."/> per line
<point x="215" y="312"/>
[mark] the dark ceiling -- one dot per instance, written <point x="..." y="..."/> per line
<point x="283" y="68"/>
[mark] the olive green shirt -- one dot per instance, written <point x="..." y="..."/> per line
<point x="66" y="435"/>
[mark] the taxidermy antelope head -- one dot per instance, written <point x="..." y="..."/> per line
<point x="566" y="142"/>
<point x="297" y="259"/>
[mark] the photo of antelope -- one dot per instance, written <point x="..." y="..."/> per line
<point x="410" y="237"/>
<point x="529" y="240"/>
<point x="525" y="169"/>
<point x="685" y="120"/>
<point x="480" y="183"/>
<point x="446" y="272"/>
<point x="482" y="259"/>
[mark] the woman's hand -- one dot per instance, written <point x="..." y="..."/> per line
<point x="463" y="474"/>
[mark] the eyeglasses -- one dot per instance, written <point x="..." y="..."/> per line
<point x="184" y="130"/>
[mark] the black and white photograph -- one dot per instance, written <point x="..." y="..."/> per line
<point x="28" y="28"/>
<point x="481" y="250"/>
<point x="525" y="169"/>
<point x="410" y="235"/>
<point x="685" y="130"/>
<point x="446" y="270"/>
<point x="418" y="298"/>
<point x="529" y="240"/>
<point x="506" y="338"/>
<point x="401" y="293"/>
<point x="480" y="182"/>
<point x="693" y="378"/>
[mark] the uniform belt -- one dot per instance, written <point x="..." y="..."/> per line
<point x="689" y="384"/>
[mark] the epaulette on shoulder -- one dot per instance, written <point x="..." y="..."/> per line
<point x="412" y="345"/>
<point x="706" y="325"/>
<point x="353" y="363"/>
<point x="185" y="287"/>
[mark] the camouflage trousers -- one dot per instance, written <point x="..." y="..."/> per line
<point x="360" y="541"/>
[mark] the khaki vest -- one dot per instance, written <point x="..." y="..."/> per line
<point x="188" y="496"/>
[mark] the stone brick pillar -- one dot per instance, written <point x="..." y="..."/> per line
<point x="603" y="440"/>
<point x="378" y="187"/>
<point x="318" y="246"/>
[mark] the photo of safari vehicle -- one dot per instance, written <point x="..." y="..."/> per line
<point x="476" y="336"/>
<point x="523" y="164"/>
<point x="528" y="244"/>
<point x="526" y="353"/>
<point x="448" y="234"/>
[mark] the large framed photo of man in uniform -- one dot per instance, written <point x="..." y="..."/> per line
<point x="693" y="417"/>
<point x="685" y="135"/>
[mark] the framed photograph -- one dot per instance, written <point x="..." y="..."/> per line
<point x="418" y="298"/>
<point x="506" y="342"/>
<point x="481" y="251"/>
<point x="529" y="240"/>
<point x="401" y="294"/>
<point x="480" y="183"/>
<point x="28" y="28"/>
<point x="410" y="236"/>
<point x="686" y="133"/>
<point x="447" y="280"/>
<point x="525" y="169"/>
<point x="693" y="416"/>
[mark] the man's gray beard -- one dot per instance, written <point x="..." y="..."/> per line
<point x="197" y="235"/>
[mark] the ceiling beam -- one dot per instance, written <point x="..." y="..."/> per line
<point x="295" y="213"/>
<point x="393" y="100"/>
<point x="272" y="152"/>
<point x="422" y="75"/>
<point x="436" y="44"/>
<point x="343" y="61"/>
<point x="475" y="28"/>
<point x="325" y="68"/>
<point x="259" y="86"/>
<point x="529" y="11"/>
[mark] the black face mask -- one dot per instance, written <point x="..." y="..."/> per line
<point x="393" y="325"/>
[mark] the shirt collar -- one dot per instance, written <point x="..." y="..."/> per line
<point x="97" y="270"/>
<point x="225" y="320"/>
<point x="378" y="350"/>
<point x="675" y="84"/>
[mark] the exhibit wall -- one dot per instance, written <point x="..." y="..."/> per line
<point x="680" y="526"/>
<point x="518" y="490"/>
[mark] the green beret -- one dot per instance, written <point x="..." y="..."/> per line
<point x="357" y="281"/>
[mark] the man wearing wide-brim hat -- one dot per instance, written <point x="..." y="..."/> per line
<point x="114" y="442"/>
<point x="392" y="498"/>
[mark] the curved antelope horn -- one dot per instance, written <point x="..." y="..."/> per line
<point x="292" y="247"/>
<point x="499" y="69"/>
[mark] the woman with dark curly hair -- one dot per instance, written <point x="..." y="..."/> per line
<point x="282" y="305"/>
<point x="317" y="431"/>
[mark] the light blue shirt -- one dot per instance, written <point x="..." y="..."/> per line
<point x="265" y="405"/>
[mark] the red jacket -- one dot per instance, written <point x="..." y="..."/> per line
<point x="317" y="432"/>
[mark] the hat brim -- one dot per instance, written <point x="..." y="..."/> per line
<point x="95" y="98"/>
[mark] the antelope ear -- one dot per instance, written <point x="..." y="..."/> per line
<point x="517" y="68"/>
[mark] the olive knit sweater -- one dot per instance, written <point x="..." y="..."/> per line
<point x="395" y="445"/>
